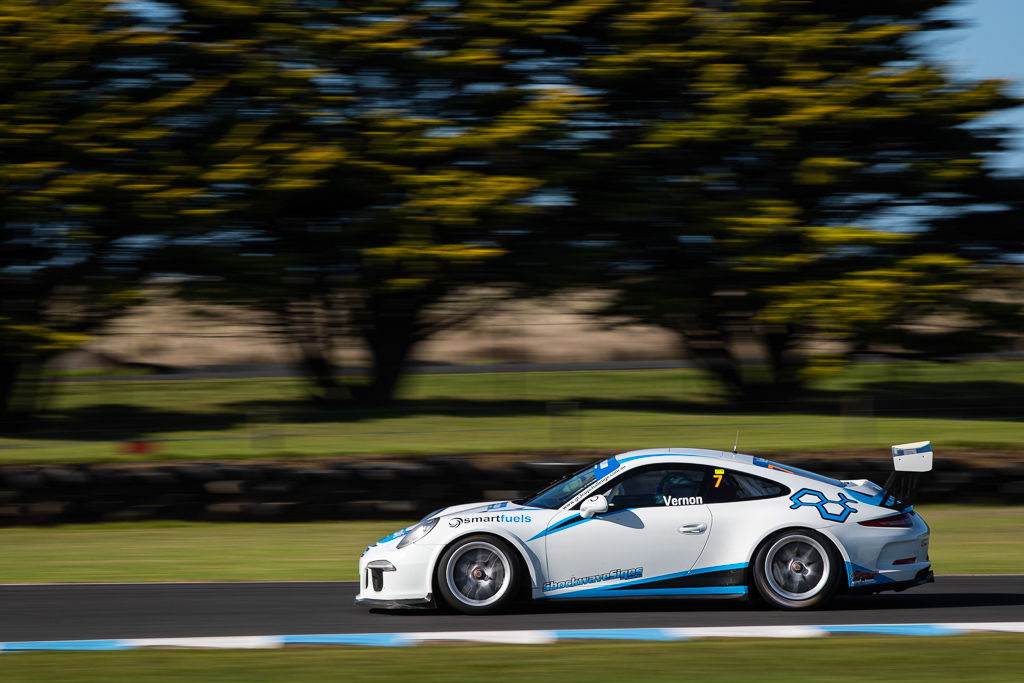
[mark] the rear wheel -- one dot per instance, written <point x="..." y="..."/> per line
<point x="479" y="574"/>
<point x="796" y="569"/>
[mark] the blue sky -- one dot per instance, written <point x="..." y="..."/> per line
<point x="991" y="45"/>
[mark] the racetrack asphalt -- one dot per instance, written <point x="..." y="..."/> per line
<point x="167" y="610"/>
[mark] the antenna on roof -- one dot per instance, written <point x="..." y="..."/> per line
<point x="736" y="445"/>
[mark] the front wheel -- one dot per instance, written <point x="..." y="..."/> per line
<point x="796" y="569"/>
<point x="478" y="574"/>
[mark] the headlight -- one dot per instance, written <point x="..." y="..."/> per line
<point x="417" y="532"/>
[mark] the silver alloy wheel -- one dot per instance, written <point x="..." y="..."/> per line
<point x="476" y="573"/>
<point x="797" y="567"/>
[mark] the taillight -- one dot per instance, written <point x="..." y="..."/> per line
<point x="902" y="521"/>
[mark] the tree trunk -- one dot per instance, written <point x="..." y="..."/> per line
<point x="391" y="328"/>
<point x="390" y="353"/>
<point x="319" y="370"/>
<point x="711" y="350"/>
<point x="712" y="354"/>
<point x="11" y="418"/>
<point x="784" y="367"/>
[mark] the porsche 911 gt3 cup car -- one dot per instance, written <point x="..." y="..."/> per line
<point x="664" y="522"/>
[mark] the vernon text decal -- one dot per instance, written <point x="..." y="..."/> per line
<point x="685" y="500"/>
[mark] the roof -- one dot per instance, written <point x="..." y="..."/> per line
<point x="628" y="456"/>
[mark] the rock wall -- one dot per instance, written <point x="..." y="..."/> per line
<point x="369" y="490"/>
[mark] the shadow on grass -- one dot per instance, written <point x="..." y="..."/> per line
<point x="119" y="422"/>
<point x="125" y="422"/>
<point x="964" y="400"/>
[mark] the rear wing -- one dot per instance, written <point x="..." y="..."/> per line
<point x="909" y="460"/>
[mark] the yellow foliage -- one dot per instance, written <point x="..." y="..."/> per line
<point x="291" y="184"/>
<point x="145" y="38"/>
<point x="33" y="339"/>
<point x="319" y="154"/>
<point x="187" y="96"/>
<point x="824" y="170"/>
<point x="176" y="193"/>
<point x="956" y="169"/>
<point x="141" y="187"/>
<point x="821" y="366"/>
<point x="28" y="171"/>
<point x="404" y="284"/>
<point x="425" y="251"/>
<point x="845" y="235"/>
<point x="242" y="135"/>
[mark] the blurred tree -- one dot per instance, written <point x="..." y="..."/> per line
<point x="90" y="173"/>
<point x="768" y="176"/>
<point x="384" y="176"/>
<point x="758" y="174"/>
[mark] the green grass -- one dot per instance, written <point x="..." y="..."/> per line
<point x="987" y="657"/>
<point x="975" y="540"/>
<point x="869" y="405"/>
<point x="965" y="540"/>
<point x="187" y="551"/>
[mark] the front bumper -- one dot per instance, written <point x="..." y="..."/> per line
<point x="406" y="583"/>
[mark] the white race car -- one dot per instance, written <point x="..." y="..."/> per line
<point x="664" y="522"/>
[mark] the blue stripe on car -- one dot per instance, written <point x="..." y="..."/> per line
<point x="866" y="498"/>
<point x="637" y="587"/>
<point x="698" y="590"/>
<point x="577" y="520"/>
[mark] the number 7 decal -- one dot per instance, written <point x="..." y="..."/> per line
<point x="718" y="475"/>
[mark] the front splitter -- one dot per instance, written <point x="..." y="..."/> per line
<point x="409" y="603"/>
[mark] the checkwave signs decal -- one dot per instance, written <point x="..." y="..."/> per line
<point x="721" y="580"/>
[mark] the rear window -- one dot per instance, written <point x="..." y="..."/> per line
<point x="761" y="462"/>
<point x="729" y="487"/>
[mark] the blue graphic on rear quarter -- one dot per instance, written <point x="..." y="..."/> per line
<point x="840" y="509"/>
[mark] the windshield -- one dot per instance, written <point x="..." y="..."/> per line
<point x="558" y="494"/>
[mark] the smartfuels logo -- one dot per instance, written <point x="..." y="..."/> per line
<point x="501" y="519"/>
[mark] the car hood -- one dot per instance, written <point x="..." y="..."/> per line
<point x="494" y="506"/>
<point x="454" y="515"/>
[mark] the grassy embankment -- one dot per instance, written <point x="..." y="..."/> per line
<point x="905" y="659"/>
<point x="975" y="405"/>
<point x="965" y="540"/>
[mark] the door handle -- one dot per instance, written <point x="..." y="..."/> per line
<point x="693" y="529"/>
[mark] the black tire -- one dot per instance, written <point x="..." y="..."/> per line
<point x="478" y="574"/>
<point x="796" y="569"/>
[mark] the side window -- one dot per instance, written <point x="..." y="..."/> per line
<point x="657" y="486"/>
<point x="727" y="486"/>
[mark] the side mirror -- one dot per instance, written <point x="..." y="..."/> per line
<point x="594" y="505"/>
